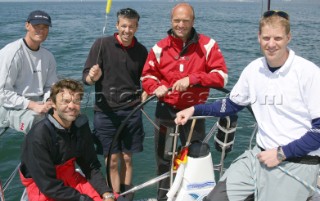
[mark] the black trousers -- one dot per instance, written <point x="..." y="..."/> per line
<point x="165" y="116"/>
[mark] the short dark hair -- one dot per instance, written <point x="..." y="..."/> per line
<point x="70" y="84"/>
<point x="128" y="13"/>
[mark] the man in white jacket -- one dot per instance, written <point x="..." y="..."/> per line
<point x="27" y="72"/>
<point x="282" y="90"/>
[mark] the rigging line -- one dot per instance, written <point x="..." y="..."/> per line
<point x="262" y="5"/>
<point x="119" y="130"/>
<point x="149" y="118"/>
<point x="191" y="132"/>
<point x="121" y="127"/>
<point x="314" y="189"/>
<point x="108" y="7"/>
<point x="210" y="134"/>
<point x="261" y="11"/>
<point x="9" y="180"/>
<point x="124" y="122"/>
<point x="269" y="4"/>
<point x="147" y="183"/>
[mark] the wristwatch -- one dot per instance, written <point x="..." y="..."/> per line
<point x="110" y="195"/>
<point x="280" y="155"/>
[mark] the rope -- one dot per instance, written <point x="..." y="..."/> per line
<point x="147" y="183"/>
<point x="150" y="120"/>
<point x="108" y="7"/>
<point x="299" y="179"/>
<point x="9" y="180"/>
<point x="210" y="134"/>
<point x="254" y="171"/>
<point x="227" y="131"/>
<point x="191" y="132"/>
<point x="253" y="163"/>
<point x="116" y="136"/>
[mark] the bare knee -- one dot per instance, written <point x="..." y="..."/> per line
<point x="127" y="159"/>
<point x="113" y="162"/>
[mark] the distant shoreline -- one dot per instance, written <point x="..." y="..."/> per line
<point x="169" y="1"/>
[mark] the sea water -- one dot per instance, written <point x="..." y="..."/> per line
<point x="75" y="26"/>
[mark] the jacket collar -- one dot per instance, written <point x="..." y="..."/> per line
<point x="194" y="38"/>
<point x="134" y="40"/>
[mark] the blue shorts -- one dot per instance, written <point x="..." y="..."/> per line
<point x="130" y="139"/>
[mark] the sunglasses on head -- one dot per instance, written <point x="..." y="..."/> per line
<point x="280" y="13"/>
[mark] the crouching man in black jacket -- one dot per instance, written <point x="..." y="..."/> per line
<point x="55" y="145"/>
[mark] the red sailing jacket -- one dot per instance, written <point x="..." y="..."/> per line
<point x="65" y="172"/>
<point x="170" y="60"/>
<point x="47" y="162"/>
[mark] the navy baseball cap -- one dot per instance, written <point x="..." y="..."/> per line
<point x="39" y="17"/>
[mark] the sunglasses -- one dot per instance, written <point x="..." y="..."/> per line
<point x="68" y="98"/>
<point x="280" y="13"/>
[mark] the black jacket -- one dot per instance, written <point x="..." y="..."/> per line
<point x="42" y="151"/>
<point x="121" y="71"/>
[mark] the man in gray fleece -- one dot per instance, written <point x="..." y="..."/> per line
<point x="27" y="72"/>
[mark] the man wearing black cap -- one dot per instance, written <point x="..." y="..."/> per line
<point x="27" y="72"/>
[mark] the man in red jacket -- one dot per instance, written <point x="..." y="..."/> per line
<point x="189" y="63"/>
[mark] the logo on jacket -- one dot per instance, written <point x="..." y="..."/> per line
<point x="151" y="63"/>
<point x="22" y="126"/>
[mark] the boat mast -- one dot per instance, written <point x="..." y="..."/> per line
<point x="269" y="2"/>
